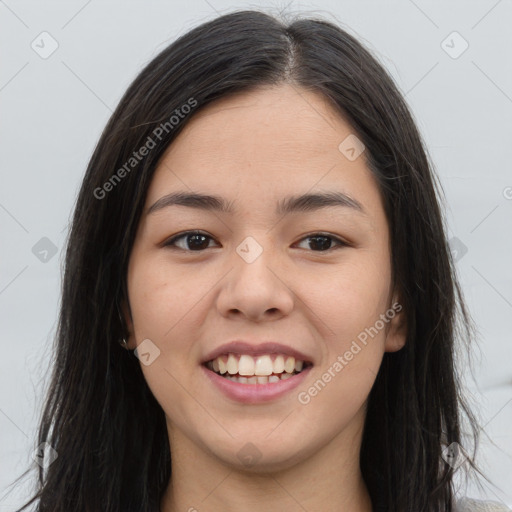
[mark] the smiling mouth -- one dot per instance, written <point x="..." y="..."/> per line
<point x="266" y="369"/>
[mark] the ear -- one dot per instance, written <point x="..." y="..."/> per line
<point x="396" y="335"/>
<point x="127" y="319"/>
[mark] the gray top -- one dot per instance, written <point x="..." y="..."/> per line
<point x="473" y="505"/>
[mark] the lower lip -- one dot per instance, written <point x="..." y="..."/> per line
<point x="255" y="393"/>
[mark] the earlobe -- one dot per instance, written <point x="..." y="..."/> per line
<point x="394" y="344"/>
<point x="126" y="315"/>
<point x="396" y="336"/>
<point x="126" y="320"/>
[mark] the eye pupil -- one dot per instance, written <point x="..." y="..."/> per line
<point x="325" y="245"/>
<point x="195" y="237"/>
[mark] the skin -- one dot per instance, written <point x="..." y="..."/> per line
<point x="255" y="149"/>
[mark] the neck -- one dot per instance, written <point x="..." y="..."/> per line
<point x="328" y="480"/>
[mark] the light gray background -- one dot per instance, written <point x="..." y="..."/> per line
<point x="53" y="111"/>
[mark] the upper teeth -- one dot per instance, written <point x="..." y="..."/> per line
<point x="260" y="365"/>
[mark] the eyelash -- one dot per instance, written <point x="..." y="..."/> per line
<point x="170" y="243"/>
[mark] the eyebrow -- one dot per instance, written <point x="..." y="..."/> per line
<point x="292" y="204"/>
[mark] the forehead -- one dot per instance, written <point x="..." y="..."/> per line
<point x="272" y="141"/>
<point x="263" y="122"/>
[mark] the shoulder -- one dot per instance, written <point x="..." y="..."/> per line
<point x="473" y="505"/>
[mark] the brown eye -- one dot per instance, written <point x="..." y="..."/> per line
<point x="194" y="241"/>
<point x="320" y="242"/>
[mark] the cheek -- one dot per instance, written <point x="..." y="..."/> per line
<point x="160" y="298"/>
<point x="161" y="303"/>
<point x="354" y="345"/>
<point x="350" y="303"/>
<point x="353" y="294"/>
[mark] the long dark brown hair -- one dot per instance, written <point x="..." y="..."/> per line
<point x="98" y="406"/>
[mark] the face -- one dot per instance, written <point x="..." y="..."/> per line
<point x="315" y="279"/>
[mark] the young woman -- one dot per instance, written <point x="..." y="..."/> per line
<point x="259" y="306"/>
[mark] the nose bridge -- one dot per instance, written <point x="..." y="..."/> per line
<point x="250" y="250"/>
<point x="257" y="260"/>
<point x="255" y="286"/>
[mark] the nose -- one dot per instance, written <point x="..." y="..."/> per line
<point x="257" y="287"/>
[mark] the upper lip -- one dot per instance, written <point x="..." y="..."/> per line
<point x="243" y="347"/>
